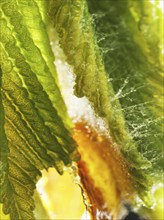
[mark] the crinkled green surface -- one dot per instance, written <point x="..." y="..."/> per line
<point x="114" y="70"/>
<point x="133" y="65"/>
<point x="32" y="112"/>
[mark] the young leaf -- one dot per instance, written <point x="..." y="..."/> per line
<point x="32" y="113"/>
<point x="135" y="72"/>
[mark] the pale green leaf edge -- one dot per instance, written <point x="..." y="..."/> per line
<point x="34" y="126"/>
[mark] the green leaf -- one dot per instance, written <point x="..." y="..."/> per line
<point x="135" y="73"/>
<point x="113" y="70"/>
<point x="35" y="128"/>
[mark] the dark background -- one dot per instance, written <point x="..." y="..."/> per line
<point x="133" y="216"/>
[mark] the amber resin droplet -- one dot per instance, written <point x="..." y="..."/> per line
<point x="103" y="172"/>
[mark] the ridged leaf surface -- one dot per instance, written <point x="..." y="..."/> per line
<point x="34" y="124"/>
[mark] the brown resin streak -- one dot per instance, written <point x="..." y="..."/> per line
<point x="103" y="172"/>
